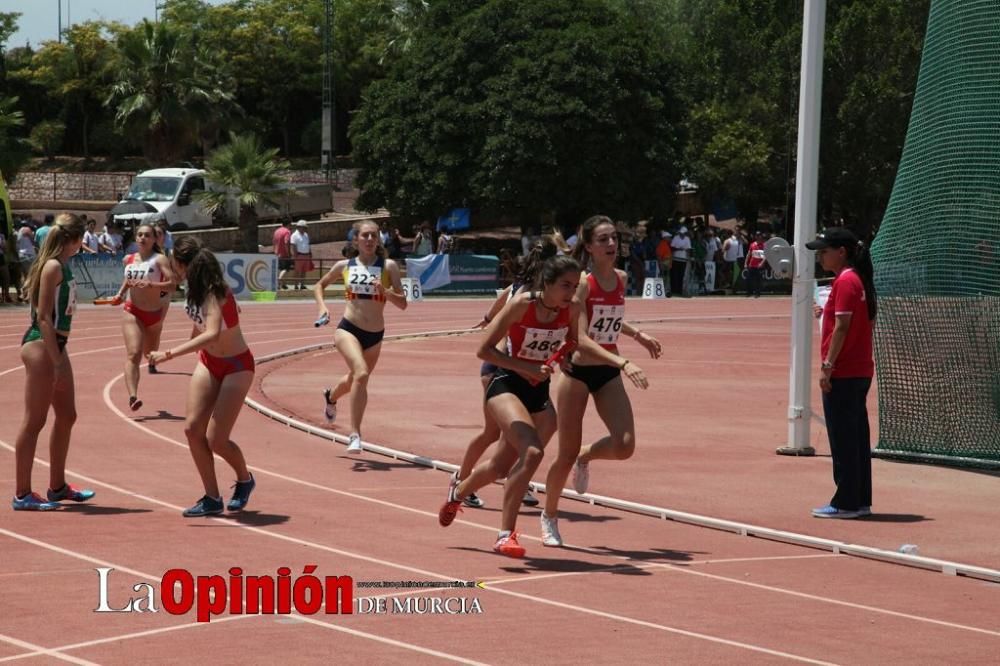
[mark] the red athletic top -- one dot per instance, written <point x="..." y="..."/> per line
<point x="605" y="312"/>
<point x="230" y="313"/>
<point x="756" y="257"/>
<point x="532" y="340"/>
<point x="847" y="296"/>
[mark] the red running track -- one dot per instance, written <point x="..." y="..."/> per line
<point x="629" y="588"/>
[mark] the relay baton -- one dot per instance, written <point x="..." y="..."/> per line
<point x="558" y="356"/>
<point x="322" y="321"/>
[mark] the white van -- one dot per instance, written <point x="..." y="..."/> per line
<point x="165" y="194"/>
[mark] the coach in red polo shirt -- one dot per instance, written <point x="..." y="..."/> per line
<point x="847" y="369"/>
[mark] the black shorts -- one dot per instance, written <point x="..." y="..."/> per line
<point x="286" y="264"/>
<point x="487" y="369"/>
<point x="594" y="376"/>
<point x="534" y="398"/>
<point x="367" y="339"/>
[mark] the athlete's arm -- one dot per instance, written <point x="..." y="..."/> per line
<point x="395" y="293"/>
<point x="512" y="313"/>
<point x="48" y="281"/>
<point x="320" y="287"/>
<point x="212" y="312"/>
<point x="497" y="306"/>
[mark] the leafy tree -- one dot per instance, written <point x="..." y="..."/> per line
<point x="8" y="26"/>
<point x="76" y="74"/>
<point x="740" y="79"/>
<point x="873" y="54"/>
<point x="245" y="169"/>
<point x="47" y="136"/>
<point x="522" y="109"/>
<point x="739" y="83"/>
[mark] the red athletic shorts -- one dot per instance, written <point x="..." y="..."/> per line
<point x="146" y="317"/>
<point x="220" y="366"/>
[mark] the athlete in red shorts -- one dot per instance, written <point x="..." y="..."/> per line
<point x="221" y="379"/>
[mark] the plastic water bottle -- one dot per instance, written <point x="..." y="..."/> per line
<point x="909" y="549"/>
<point x="322" y="321"/>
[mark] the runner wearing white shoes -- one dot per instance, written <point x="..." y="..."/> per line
<point x="603" y="318"/>
<point x="537" y="324"/>
<point x="370" y="280"/>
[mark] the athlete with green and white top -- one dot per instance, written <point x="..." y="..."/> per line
<point x="51" y="290"/>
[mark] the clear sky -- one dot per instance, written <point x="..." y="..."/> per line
<point x="39" y="19"/>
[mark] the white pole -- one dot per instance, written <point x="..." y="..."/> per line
<point x="806" y="186"/>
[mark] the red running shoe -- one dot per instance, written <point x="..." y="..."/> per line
<point x="451" y="507"/>
<point x="508" y="545"/>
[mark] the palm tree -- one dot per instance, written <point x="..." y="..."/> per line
<point x="245" y="169"/>
<point x="160" y="89"/>
<point x="14" y="150"/>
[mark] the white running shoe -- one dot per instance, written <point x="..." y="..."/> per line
<point x="354" y="444"/>
<point x="550" y="531"/>
<point x="581" y="476"/>
<point x="331" y="407"/>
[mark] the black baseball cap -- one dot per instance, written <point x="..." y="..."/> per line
<point x="833" y="237"/>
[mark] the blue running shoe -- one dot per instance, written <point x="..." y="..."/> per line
<point x="33" y="502"/>
<point x="69" y="492"/>
<point x="830" y="511"/>
<point x="864" y="511"/>
<point x="241" y="494"/>
<point x="206" y="506"/>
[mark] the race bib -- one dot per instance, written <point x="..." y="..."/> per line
<point x="194" y="314"/>
<point x="757" y="254"/>
<point x="540" y="343"/>
<point x="135" y="272"/>
<point x="362" y="279"/>
<point x="71" y="299"/>
<point x="606" y="323"/>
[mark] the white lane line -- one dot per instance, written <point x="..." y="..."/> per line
<point x="39" y="650"/>
<point x="388" y="641"/>
<point x="662" y="627"/>
<point x="71" y="553"/>
<point x="125" y="637"/>
<point x="836" y="602"/>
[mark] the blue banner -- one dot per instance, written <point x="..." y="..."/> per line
<point x="455" y="220"/>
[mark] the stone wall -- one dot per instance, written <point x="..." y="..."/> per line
<point x="321" y="231"/>
<point x="110" y="186"/>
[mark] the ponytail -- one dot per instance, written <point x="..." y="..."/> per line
<point x="204" y="274"/>
<point x="860" y="259"/>
<point x="530" y="265"/>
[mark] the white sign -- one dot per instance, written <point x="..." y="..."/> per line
<point x="412" y="290"/>
<point x="653" y="288"/>
<point x="246" y="273"/>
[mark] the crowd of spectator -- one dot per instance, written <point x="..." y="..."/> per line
<point x="690" y="255"/>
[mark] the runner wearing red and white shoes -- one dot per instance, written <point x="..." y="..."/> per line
<point x="603" y="318"/>
<point x="537" y="324"/>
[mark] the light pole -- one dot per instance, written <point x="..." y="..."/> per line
<point x="59" y="34"/>
<point x="329" y="139"/>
